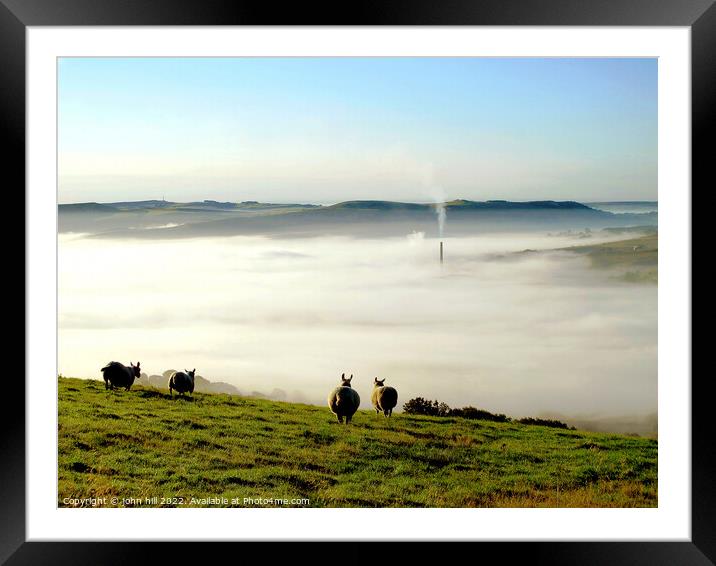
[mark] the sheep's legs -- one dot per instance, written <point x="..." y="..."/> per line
<point x="340" y="419"/>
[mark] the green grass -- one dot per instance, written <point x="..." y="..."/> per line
<point x="141" y="443"/>
<point x="634" y="260"/>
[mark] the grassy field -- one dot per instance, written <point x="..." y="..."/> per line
<point x="634" y="260"/>
<point x="143" y="444"/>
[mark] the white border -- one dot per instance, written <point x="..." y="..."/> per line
<point x="670" y="521"/>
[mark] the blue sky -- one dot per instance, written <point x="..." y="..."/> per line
<point x="332" y="129"/>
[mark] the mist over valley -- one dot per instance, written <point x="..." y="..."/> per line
<point x="513" y="321"/>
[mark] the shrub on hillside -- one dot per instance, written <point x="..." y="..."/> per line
<point x="479" y="414"/>
<point x="543" y="422"/>
<point x="420" y="406"/>
<point x="443" y="409"/>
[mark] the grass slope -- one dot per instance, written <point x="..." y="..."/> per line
<point x="635" y="259"/>
<point x="143" y="444"/>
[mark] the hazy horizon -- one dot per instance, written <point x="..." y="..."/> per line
<point x="331" y="202"/>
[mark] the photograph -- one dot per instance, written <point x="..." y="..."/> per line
<point x="357" y="282"/>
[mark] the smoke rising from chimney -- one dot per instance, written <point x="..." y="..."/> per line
<point x="440" y="211"/>
<point x="437" y="193"/>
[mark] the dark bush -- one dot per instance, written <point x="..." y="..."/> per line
<point x="543" y="422"/>
<point x="444" y="409"/>
<point x="420" y="406"/>
<point x="479" y="414"/>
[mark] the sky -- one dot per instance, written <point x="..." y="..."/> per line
<point x="326" y="130"/>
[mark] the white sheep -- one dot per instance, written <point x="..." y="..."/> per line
<point x="344" y="400"/>
<point x="383" y="398"/>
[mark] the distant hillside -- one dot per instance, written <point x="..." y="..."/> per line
<point x="633" y="425"/>
<point x="86" y="207"/>
<point x="509" y="205"/>
<point x="378" y="205"/>
<point x="622" y="207"/>
<point x="461" y="204"/>
<point x="634" y="260"/>
<point x="201" y="384"/>
<point x="627" y="203"/>
<point x="165" y="204"/>
<point x="361" y="218"/>
<point x="642" y="230"/>
<point x="140" y="204"/>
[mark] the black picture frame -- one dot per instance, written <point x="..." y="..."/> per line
<point x="17" y="15"/>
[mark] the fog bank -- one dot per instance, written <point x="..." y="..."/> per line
<point x="520" y="334"/>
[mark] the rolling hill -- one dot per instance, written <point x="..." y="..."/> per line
<point x="143" y="444"/>
<point x="632" y="259"/>
<point x="369" y="218"/>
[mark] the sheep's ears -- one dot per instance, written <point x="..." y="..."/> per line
<point x="343" y="376"/>
<point x="375" y="380"/>
<point x="193" y="371"/>
<point x="351" y="377"/>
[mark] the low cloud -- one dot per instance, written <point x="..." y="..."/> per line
<point x="522" y="334"/>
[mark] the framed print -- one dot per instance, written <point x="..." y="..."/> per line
<point x="395" y="278"/>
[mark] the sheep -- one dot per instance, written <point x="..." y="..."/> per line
<point x="383" y="398"/>
<point x="118" y="375"/>
<point x="182" y="381"/>
<point x="344" y="400"/>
